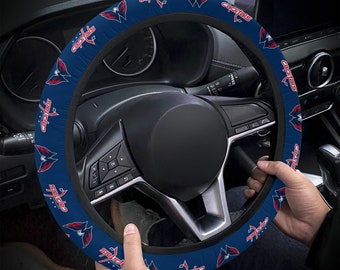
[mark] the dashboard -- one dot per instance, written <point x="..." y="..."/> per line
<point x="153" y="54"/>
<point x="311" y="47"/>
<point x="32" y="37"/>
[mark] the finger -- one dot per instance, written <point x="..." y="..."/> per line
<point x="254" y="184"/>
<point x="289" y="177"/>
<point x="259" y="174"/>
<point x="100" y="267"/>
<point x="264" y="158"/>
<point x="249" y="193"/>
<point x="132" y="249"/>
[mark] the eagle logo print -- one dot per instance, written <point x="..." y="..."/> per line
<point x="225" y="254"/>
<point x="151" y="265"/>
<point x="47" y="158"/>
<point x="116" y="13"/>
<point x="296" y="118"/>
<point x="266" y="40"/>
<point x="160" y="3"/>
<point x="82" y="231"/>
<point x="60" y="74"/>
<point x="279" y="198"/>
<point x="199" y="3"/>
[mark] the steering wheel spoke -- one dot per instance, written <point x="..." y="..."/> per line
<point x="215" y="202"/>
<point x="114" y="187"/>
<point x="215" y="219"/>
<point x="243" y="116"/>
<point x="107" y="168"/>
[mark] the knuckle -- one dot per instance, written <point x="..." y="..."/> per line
<point x="277" y="166"/>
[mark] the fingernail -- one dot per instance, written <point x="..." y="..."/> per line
<point x="130" y="229"/>
<point x="263" y="164"/>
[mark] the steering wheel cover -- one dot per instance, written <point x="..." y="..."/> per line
<point x="52" y="119"/>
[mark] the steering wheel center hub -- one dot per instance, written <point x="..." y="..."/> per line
<point x="179" y="142"/>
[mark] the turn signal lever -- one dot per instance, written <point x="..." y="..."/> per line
<point x="329" y="162"/>
<point x="17" y="143"/>
<point x="23" y="142"/>
<point x="239" y="81"/>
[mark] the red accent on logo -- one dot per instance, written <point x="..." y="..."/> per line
<point x="60" y="73"/>
<point x="110" y="257"/>
<point x="293" y="162"/>
<point x="237" y="12"/>
<point x="46" y="157"/>
<point x="84" y="37"/>
<point x="225" y="254"/>
<point x="116" y="13"/>
<point x="289" y="76"/>
<point x="255" y="232"/>
<point x="161" y="3"/>
<point x="279" y="198"/>
<point x="296" y="119"/>
<point x="46" y="113"/>
<point x="267" y="40"/>
<point x="57" y="197"/>
<point x="151" y="266"/>
<point x="186" y="266"/>
<point x="84" y="232"/>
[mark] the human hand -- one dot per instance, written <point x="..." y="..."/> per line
<point x="132" y="250"/>
<point x="304" y="210"/>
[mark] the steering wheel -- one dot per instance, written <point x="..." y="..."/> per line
<point x="170" y="145"/>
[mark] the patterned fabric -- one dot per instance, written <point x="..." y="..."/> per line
<point x="51" y="152"/>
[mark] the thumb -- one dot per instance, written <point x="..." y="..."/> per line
<point x="291" y="178"/>
<point x="132" y="249"/>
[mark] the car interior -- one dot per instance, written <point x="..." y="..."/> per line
<point x="170" y="57"/>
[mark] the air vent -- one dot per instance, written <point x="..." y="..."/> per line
<point x="320" y="70"/>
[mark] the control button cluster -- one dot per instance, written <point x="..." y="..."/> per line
<point x="252" y="125"/>
<point x="113" y="185"/>
<point x="109" y="172"/>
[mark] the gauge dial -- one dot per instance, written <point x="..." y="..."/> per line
<point x="133" y="56"/>
<point x="27" y="66"/>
